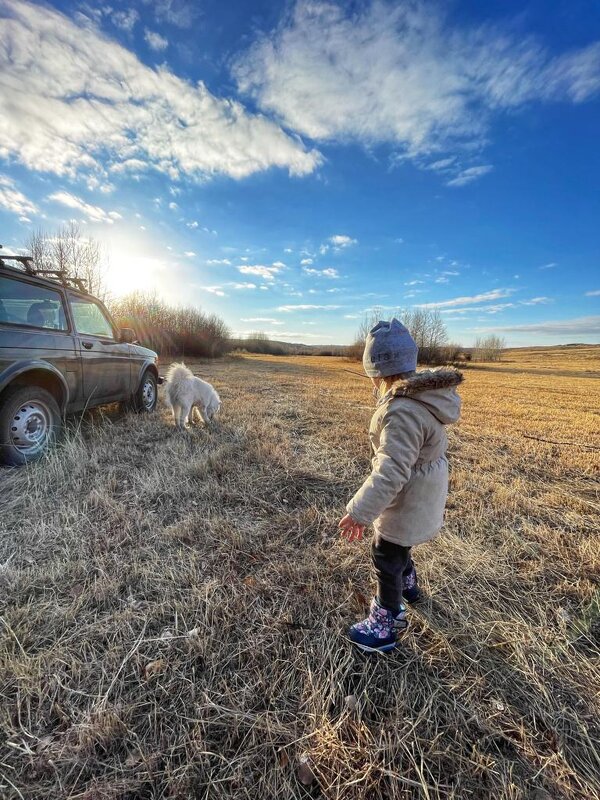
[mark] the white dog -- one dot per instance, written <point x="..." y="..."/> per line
<point x="185" y="392"/>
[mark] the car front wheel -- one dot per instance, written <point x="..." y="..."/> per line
<point x="146" y="397"/>
<point x="30" y="420"/>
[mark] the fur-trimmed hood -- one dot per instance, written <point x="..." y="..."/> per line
<point x="435" y="389"/>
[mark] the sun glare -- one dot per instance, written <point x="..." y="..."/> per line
<point x="133" y="273"/>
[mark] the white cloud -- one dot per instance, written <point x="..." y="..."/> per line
<point x="306" y="262"/>
<point x="267" y="273"/>
<point x="173" y="206"/>
<point x="566" y="327"/>
<point x="329" y="272"/>
<point x="470" y="174"/>
<point x="412" y="283"/>
<point x="495" y="294"/>
<point x="176" y="12"/>
<point x="212" y="261"/>
<point x="593" y="293"/>
<point x="536" y="301"/>
<point x="341" y="240"/>
<point x="125" y="20"/>
<point x="279" y="264"/>
<point x="246" y="285"/>
<point x="402" y="73"/>
<point x="218" y="290"/>
<point x="189" y="254"/>
<point x="193" y="225"/>
<point x="551" y="265"/>
<point x="82" y="103"/>
<point x="13" y="200"/>
<point x="270" y="320"/>
<point x="155" y="41"/>
<point x="92" y="213"/>
<point x="305" y="307"/>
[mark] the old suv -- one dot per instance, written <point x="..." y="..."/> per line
<point x="60" y="352"/>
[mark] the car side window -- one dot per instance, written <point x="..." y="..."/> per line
<point x="90" y="319"/>
<point x="23" y="303"/>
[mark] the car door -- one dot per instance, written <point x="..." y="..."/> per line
<point x="34" y="327"/>
<point x="105" y="361"/>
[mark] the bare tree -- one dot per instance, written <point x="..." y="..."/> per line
<point x="489" y="348"/>
<point x="70" y="252"/>
<point x="426" y="326"/>
<point x="171" y="330"/>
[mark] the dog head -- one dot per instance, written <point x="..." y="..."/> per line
<point x="213" y="409"/>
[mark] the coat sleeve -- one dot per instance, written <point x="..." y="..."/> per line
<point x="400" y="443"/>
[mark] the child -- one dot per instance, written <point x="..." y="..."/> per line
<point x="405" y="494"/>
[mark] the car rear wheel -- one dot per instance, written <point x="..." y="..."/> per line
<point x="30" y="420"/>
<point x="146" y="397"/>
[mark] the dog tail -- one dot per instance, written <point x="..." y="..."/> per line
<point x="177" y="375"/>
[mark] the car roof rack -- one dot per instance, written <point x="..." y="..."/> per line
<point x="26" y="264"/>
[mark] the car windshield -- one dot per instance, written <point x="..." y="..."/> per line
<point x="24" y="303"/>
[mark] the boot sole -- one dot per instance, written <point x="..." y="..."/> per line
<point x="386" y="648"/>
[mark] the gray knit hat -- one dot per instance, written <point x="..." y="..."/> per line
<point x="389" y="350"/>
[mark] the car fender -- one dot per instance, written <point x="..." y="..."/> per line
<point x="149" y="363"/>
<point x="22" y="367"/>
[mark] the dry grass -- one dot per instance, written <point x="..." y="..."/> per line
<point x="173" y="605"/>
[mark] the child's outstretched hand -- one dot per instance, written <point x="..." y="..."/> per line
<point x="350" y="529"/>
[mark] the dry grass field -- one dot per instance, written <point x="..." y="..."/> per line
<point x="173" y="605"/>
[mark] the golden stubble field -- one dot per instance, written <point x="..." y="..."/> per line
<point x="174" y="605"/>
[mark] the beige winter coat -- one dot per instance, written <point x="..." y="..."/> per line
<point x="405" y="494"/>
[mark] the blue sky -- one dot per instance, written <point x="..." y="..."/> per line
<point x="291" y="165"/>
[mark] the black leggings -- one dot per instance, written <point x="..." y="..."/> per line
<point x="391" y="562"/>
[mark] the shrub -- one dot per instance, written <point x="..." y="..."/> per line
<point x="171" y="330"/>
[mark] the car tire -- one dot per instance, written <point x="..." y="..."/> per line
<point x="30" y="421"/>
<point x="146" y="396"/>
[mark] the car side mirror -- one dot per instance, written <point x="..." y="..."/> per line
<point x="127" y="335"/>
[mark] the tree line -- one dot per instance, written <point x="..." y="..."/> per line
<point x="176" y="331"/>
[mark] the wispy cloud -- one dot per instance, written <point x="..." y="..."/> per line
<point x="536" y="301"/>
<point x="215" y="261"/>
<point x="337" y="242"/>
<point x="402" y="73"/>
<point x="268" y="320"/>
<point x="245" y="285"/>
<point x="469" y="175"/>
<point x="80" y="102"/>
<point x="125" y="20"/>
<point x="218" y="290"/>
<point x="329" y="272"/>
<point x="180" y="13"/>
<point x="341" y="240"/>
<point x="266" y="273"/>
<point x="155" y="41"/>
<point x="12" y="199"/>
<point x="307" y="307"/>
<point x="593" y="293"/>
<point x="566" y="327"/>
<point x="551" y="265"/>
<point x="485" y="297"/>
<point x="91" y="212"/>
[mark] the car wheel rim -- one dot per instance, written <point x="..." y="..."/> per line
<point x="30" y="427"/>
<point x="148" y="394"/>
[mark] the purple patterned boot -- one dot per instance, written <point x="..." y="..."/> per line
<point x="410" y="586"/>
<point x="380" y="631"/>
